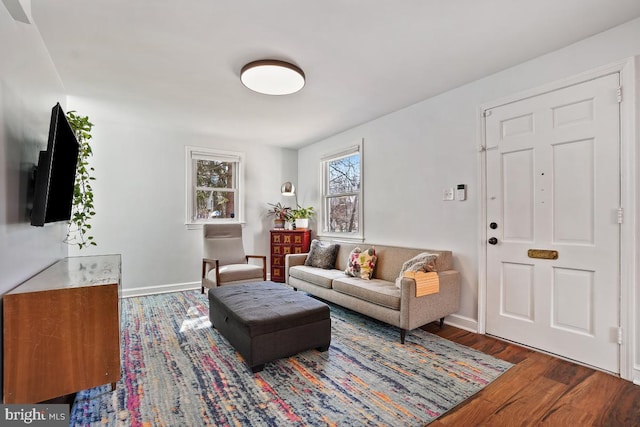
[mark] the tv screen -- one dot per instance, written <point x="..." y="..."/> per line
<point x="56" y="173"/>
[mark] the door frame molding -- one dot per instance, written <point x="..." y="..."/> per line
<point x="629" y="360"/>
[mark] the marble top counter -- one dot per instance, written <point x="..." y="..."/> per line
<point x="74" y="272"/>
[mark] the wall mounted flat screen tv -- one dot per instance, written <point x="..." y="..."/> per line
<point x="56" y="172"/>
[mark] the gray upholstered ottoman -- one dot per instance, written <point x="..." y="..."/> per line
<point x="266" y="321"/>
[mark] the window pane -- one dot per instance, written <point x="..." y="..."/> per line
<point x="343" y="214"/>
<point x="344" y="175"/>
<point x="215" y="174"/>
<point x="215" y="204"/>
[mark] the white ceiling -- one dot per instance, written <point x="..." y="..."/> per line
<point x="178" y="61"/>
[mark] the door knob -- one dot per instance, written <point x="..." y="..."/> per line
<point x="493" y="241"/>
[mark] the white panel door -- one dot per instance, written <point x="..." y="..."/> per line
<point x="553" y="184"/>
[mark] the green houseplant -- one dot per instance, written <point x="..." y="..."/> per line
<point x="280" y="213"/>
<point x="83" y="209"/>
<point x="302" y="215"/>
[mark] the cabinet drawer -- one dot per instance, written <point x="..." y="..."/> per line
<point x="277" y="274"/>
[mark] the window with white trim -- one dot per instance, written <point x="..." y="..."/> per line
<point x="342" y="193"/>
<point x="214" y="185"/>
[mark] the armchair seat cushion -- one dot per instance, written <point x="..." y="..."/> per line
<point x="236" y="272"/>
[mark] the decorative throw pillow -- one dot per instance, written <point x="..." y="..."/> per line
<point x="322" y="254"/>
<point x="361" y="264"/>
<point x="422" y="262"/>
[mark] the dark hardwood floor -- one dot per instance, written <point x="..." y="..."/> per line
<point x="540" y="390"/>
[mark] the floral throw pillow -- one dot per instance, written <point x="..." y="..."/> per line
<point x="361" y="264"/>
<point x="322" y="254"/>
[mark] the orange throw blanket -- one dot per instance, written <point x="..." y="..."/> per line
<point x="426" y="283"/>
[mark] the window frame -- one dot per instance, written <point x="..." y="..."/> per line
<point x="201" y="153"/>
<point x="324" y="191"/>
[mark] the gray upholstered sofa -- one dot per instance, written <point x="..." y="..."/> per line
<point x="379" y="297"/>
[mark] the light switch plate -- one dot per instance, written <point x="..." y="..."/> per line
<point x="448" y="194"/>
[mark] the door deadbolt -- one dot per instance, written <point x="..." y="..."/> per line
<point x="493" y="226"/>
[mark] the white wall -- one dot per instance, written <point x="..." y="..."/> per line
<point x="29" y="88"/>
<point x="140" y="196"/>
<point x="412" y="154"/>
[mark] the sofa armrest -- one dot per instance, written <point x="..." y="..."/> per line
<point x="291" y="260"/>
<point x="418" y="311"/>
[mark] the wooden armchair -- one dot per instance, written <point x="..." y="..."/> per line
<point x="225" y="261"/>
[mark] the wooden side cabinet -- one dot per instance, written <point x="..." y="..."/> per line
<point x="62" y="330"/>
<point x="285" y="242"/>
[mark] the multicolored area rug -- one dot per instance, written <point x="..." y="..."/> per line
<point x="178" y="371"/>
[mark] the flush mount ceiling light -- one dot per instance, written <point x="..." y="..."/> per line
<point x="272" y="77"/>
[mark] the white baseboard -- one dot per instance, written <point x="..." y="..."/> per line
<point x="161" y="289"/>
<point x="462" y="322"/>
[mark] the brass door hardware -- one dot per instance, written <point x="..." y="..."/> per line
<point x="542" y="254"/>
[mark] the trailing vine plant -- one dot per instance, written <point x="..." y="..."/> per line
<point x="83" y="209"/>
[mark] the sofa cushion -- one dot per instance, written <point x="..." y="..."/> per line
<point x="362" y="264"/>
<point x="315" y="275"/>
<point x="322" y="254"/>
<point x="377" y="291"/>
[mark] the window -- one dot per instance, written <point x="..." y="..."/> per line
<point x="214" y="185"/>
<point x="342" y="192"/>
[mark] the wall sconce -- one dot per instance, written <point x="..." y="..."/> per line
<point x="288" y="189"/>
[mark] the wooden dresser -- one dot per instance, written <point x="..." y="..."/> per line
<point x="62" y="330"/>
<point x="285" y="242"/>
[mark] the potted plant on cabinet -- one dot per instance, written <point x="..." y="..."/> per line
<point x="280" y="213"/>
<point x="301" y="216"/>
<point x="83" y="209"/>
